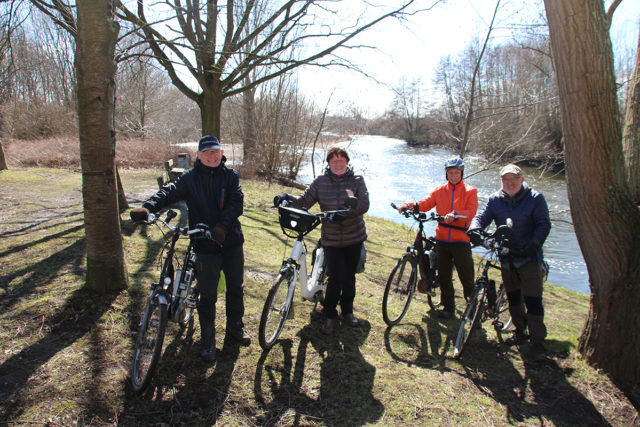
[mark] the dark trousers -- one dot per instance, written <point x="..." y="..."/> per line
<point x="208" y="266"/>
<point x="449" y="255"/>
<point x="524" y="289"/>
<point x="341" y="287"/>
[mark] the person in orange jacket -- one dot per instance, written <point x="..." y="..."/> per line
<point x="457" y="202"/>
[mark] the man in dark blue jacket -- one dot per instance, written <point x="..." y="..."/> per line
<point x="523" y="269"/>
<point x="214" y="197"/>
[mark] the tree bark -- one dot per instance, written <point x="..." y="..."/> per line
<point x="631" y="134"/>
<point x="210" y="103"/>
<point x="97" y="35"/>
<point x="123" y="205"/>
<point x="249" y="138"/>
<point x="3" y="160"/>
<point x="606" y="220"/>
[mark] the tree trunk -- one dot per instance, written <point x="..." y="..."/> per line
<point x="631" y="134"/>
<point x="606" y="220"/>
<point x="249" y="138"/>
<point x="97" y="34"/>
<point x="123" y="205"/>
<point x="3" y="160"/>
<point x="210" y="103"/>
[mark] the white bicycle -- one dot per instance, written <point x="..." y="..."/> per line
<point x="278" y="307"/>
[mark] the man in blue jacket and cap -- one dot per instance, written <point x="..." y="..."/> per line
<point x="523" y="268"/>
<point x="214" y="197"/>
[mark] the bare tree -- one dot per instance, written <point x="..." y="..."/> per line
<point x="472" y="92"/>
<point x="211" y="43"/>
<point x="605" y="214"/>
<point x="409" y="105"/>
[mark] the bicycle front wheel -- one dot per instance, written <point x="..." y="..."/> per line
<point x="400" y="287"/>
<point x="502" y="318"/>
<point x="470" y="319"/>
<point x="148" y="343"/>
<point x="275" y="311"/>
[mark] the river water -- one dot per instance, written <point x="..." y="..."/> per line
<point x="395" y="172"/>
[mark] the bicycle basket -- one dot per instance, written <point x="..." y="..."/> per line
<point x="296" y="219"/>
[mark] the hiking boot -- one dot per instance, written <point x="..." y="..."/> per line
<point x="538" y="352"/>
<point x="208" y="354"/>
<point x="517" y="338"/>
<point x="349" y="319"/>
<point x="328" y="327"/>
<point x="208" y="339"/>
<point x="240" y="336"/>
<point x="445" y="313"/>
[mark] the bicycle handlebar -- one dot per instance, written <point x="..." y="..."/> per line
<point x="323" y="214"/>
<point x="199" y="229"/>
<point x="498" y="240"/>
<point x="421" y="216"/>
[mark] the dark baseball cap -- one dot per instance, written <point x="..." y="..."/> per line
<point x="208" y="142"/>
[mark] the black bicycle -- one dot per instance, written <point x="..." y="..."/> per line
<point x="487" y="302"/>
<point x="420" y="258"/>
<point x="174" y="297"/>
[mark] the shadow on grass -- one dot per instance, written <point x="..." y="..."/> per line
<point x="45" y="239"/>
<point x="41" y="273"/>
<point x="28" y="228"/>
<point x="76" y="318"/>
<point x="411" y="344"/>
<point x="542" y="391"/>
<point x="344" y="396"/>
<point x="181" y="391"/>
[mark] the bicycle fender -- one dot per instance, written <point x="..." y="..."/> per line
<point x="162" y="300"/>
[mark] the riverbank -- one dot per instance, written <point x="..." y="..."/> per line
<point x="66" y="352"/>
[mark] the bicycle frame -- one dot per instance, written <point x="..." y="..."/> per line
<point x="172" y="291"/>
<point x="297" y="263"/>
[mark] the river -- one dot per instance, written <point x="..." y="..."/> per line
<point x="395" y="172"/>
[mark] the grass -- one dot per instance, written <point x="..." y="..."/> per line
<point x="66" y="351"/>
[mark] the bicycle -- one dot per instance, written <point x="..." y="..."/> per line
<point x="278" y="307"/>
<point x="486" y="302"/>
<point x="174" y="297"/>
<point x="421" y="255"/>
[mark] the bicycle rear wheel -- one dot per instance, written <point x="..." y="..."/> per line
<point x="502" y="318"/>
<point x="148" y="343"/>
<point x="470" y="319"/>
<point x="400" y="287"/>
<point x="275" y="311"/>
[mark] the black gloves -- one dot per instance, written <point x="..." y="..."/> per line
<point x="219" y="233"/>
<point x="337" y="217"/>
<point x="277" y="201"/>
<point x="139" y="214"/>
<point x="476" y="237"/>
